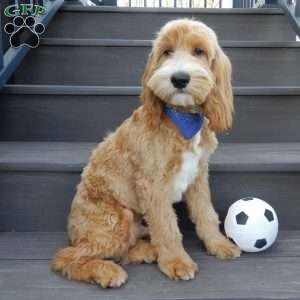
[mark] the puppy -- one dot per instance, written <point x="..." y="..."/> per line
<point x="123" y="208"/>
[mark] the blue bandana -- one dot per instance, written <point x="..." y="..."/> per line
<point x="187" y="123"/>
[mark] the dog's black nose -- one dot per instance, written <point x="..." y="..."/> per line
<point x="180" y="79"/>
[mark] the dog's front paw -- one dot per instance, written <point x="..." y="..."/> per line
<point x="179" y="268"/>
<point x="223" y="248"/>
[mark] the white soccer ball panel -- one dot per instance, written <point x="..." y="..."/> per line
<point x="252" y="224"/>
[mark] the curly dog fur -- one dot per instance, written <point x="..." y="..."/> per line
<point x="123" y="208"/>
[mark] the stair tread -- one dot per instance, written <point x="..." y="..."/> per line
<point x="25" y="273"/>
<point x="124" y="62"/>
<point x="71" y="157"/>
<point x="130" y="90"/>
<point x="147" y="43"/>
<point x="230" y="24"/>
<point x="252" y="11"/>
<point x="42" y="245"/>
<point x="42" y="106"/>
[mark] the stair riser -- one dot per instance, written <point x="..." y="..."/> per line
<point x="35" y="201"/>
<point x="89" y="118"/>
<point x="250" y="27"/>
<point x="124" y="65"/>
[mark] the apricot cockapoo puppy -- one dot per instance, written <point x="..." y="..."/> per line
<point x="123" y="208"/>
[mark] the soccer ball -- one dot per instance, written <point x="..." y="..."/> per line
<point x="252" y="224"/>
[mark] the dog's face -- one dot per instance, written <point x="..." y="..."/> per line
<point x="187" y="68"/>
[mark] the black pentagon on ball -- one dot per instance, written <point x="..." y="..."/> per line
<point x="241" y="218"/>
<point x="269" y="215"/>
<point x="260" y="243"/>
<point x="247" y="198"/>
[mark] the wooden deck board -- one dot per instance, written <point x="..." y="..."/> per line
<point x="275" y="274"/>
<point x="42" y="245"/>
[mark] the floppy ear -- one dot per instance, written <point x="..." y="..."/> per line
<point x="218" y="107"/>
<point x="151" y="102"/>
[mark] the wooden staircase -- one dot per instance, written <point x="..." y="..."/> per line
<point x="81" y="82"/>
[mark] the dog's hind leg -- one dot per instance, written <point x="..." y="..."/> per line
<point x="97" y="232"/>
<point x="80" y="263"/>
<point x="141" y="252"/>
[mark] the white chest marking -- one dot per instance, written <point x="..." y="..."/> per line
<point x="189" y="169"/>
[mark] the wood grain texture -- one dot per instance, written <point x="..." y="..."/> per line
<point x="27" y="114"/>
<point x="223" y="11"/>
<point x="40" y="201"/>
<point x="36" y="201"/>
<point x="123" y="65"/>
<point x="229" y="24"/>
<point x="271" y="275"/>
<point x="38" y="181"/>
<point x="72" y="157"/>
<point x="93" y="90"/>
<point x="42" y="245"/>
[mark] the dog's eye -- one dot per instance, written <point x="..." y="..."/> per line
<point x="168" y="52"/>
<point x="198" y="51"/>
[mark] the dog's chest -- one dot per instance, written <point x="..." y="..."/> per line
<point x="189" y="169"/>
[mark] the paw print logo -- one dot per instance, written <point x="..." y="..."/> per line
<point x="24" y="32"/>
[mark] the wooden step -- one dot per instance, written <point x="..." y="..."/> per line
<point x="111" y="62"/>
<point x="274" y="274"/>
<point x="128" y="23"/>
<point x="38" y="180"/>
<point x="59" y="113"/>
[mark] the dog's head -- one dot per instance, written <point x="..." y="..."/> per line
<point x="188" y="68"/>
